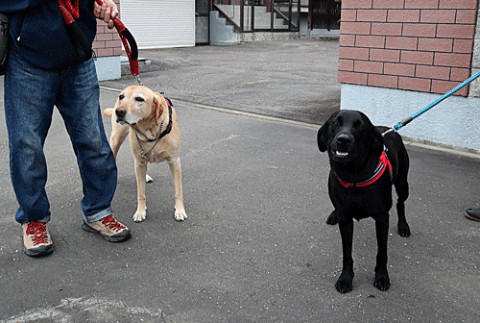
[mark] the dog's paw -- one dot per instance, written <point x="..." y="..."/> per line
<point x="403" y="229"/>
<point x="140" y="215"/>
<point x="344" y="285"/>
<point x="148" y="179"/>
<point x="344" y="282"/>
<point x="332" y="218"/>
<point x="382" y="281"/>
<point x="180" y="215"/>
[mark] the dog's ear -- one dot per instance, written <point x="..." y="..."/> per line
<point x="158" y="105"/>
<point x="377" y="139"/>
<point x="322" y="137"/>
<point x="374" y="138"/>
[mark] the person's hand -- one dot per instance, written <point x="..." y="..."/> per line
<point x="106" y="12"/>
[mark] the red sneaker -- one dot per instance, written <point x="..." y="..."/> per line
<point x="36" y="239"/>
<point x="109" y="228"/>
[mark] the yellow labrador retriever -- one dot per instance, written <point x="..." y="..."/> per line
<point x="150" y="122"/>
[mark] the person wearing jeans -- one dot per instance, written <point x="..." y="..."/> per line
<point x="38" y="78"/>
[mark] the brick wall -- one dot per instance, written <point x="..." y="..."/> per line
<point x="419" y="45"/>
<point x="107" y="42"/>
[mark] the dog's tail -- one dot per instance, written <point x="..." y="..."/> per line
<point x="107" y="112"/>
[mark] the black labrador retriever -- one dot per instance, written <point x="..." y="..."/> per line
<point x="363" y="166"/>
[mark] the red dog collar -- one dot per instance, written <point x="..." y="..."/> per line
<point x="383" y="164"/>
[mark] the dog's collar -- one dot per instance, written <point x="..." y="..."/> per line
<point x="383" y="164"/>
<point x="169" y="125"/>
<point x="160" y="134"/>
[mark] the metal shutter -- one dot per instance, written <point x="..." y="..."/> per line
<point x="160" y="23"/>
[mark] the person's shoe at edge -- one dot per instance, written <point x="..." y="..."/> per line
<point x="473" y="214"/>
<point x="109" y="228"/>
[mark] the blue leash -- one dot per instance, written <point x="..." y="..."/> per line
<point x="403" y="123"/>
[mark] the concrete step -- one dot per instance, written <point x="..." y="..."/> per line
<point x="221" y="33"/>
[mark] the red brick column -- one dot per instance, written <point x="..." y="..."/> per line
<point x="107" y="42"/>
<point x="419" y="45"/>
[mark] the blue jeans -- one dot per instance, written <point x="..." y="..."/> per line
<point x="30" y="96"/>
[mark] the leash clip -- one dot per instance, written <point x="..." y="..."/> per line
<point x="388" y="131"/>
<point x="139" y="81"/>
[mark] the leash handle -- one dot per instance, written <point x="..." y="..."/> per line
<point x="129" y="44"/>
<point x="437" y="101"/>
<point x="70" y="13"/>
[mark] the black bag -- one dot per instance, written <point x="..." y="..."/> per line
<point x="10" y="7"/>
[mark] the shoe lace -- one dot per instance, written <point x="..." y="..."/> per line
<point x="113" y="224"/>
<point x="38" y="231"/>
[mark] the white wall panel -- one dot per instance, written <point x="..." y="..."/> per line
<point x="160" y="23"/>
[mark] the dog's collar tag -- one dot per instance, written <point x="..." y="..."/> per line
<point x="383" y="164"/>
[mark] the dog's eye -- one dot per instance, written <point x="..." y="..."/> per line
<point x="338" y="121"/>
<point x="139" y="99"/>
<point x="358" y="124"/>
<point x="121" y="97"/>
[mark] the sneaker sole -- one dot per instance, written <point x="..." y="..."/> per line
<point x="40" y="252"/>
<point x="116" y="238"/>
<point x="468" y="216"/>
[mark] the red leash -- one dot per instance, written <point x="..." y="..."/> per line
<point x="129" y="43"/>
<point x="71" y="12"/>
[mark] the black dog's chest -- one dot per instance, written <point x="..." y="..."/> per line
<point x="363" y="202"/>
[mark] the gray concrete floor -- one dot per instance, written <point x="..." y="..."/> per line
<point x="255" y="247"/>
<point x="296" y="80"/>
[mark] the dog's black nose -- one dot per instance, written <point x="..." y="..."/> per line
<point x="120" y="112"/>
<point x="344" y="139"/>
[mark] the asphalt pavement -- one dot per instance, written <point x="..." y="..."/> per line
<point x="255" y="246"/>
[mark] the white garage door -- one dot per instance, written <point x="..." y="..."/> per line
<point x="160" y="23"/>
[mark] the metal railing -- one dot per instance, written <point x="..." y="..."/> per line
<point x="325" y="14"/>
<point x="260" y="15"/>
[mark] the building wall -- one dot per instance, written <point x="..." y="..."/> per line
<point x="108" y="49"/>
<point x="419" y="45"/>
<point x="475" y="87"/>
<point x="396" y="56"/>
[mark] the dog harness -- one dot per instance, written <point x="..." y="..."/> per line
<point x="161" y="134"/>
<point x="383" y="164"/>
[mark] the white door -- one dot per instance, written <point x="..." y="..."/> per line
<point x="160" y="23"/>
